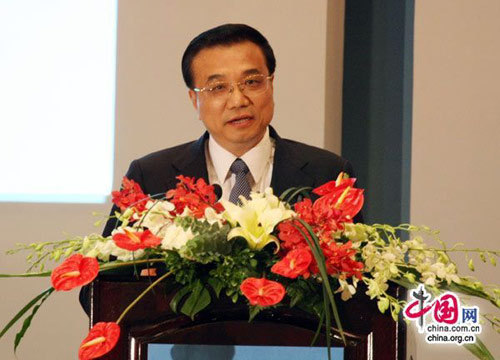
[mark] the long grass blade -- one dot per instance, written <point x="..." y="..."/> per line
<point x="285" y="196"/>
<point x="328" y="324"/>
<point x="479" y="350"/>
<point x="320" y="260"/>
<point x="40" y="274"/>
<point x="27" y="321"/>
<point x="318" y="330"/>
<point x="24" y="310"/>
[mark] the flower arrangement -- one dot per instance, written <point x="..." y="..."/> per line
<point x="263" y="249"/>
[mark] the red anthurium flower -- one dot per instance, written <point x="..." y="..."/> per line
<point x="341" y="205"/>
<point x="333" y="186"/>
<point x="77" y="270"/>
<point x="294" y="264"/>
<point x="130" y="195"/>
<point x="136" y="240"/>
<point x="262" y="292"/>
<point x="101" y="339"/>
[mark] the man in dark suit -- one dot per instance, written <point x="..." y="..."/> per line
<point x="229" y="71"/>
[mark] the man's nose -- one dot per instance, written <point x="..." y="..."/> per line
<point x="237" y="98"/>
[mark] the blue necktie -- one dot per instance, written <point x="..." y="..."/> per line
<point x="241" y="186"/>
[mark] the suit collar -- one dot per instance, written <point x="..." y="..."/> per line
<point x="192" y="162"/>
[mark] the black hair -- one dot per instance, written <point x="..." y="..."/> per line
<point x="225" y="35"/>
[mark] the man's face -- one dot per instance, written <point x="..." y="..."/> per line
<point x="237" y="121"/>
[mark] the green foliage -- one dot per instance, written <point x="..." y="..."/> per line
<point x="184" y="270"/>
<point x="209" y="243"/>
<point x="231" y="270"/>
<point x="221" y="267"/>
<point x="305" y="294"/>
<point x="197" y="300"/>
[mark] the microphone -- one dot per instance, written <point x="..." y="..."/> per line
<point x="217" y="191"/>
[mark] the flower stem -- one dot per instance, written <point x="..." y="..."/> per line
<point x="111" y="266"/>
<point x="132" y="304"/>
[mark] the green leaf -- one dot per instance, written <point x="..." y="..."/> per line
<point x="24" y="310"/>
<point x="197" y="301"/>
<point x="217" y="285"/>
<point x="27" y="321"/>
<point x="178" y="297"/>
<point x="297" y="297"/>
<point x="479" y="350"/>
<point x="254" y="310"/>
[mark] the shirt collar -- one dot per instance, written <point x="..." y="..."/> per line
<point x="256" y="158"/>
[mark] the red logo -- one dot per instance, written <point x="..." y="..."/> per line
<point x="446" y="307"/>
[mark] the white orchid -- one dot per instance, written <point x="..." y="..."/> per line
<point x="158" y="217"/>
<point x="102" y="250"/>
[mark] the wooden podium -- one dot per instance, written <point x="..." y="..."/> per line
<point x="369" y="334"/>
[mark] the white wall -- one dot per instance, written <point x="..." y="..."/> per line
<point x="153" y="112"/>
<point x="456" y="133"/>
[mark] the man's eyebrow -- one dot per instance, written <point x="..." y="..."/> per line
<point x="221" y="77"/>
<point x="252" y="72"/>
<point x="215" y="77"/>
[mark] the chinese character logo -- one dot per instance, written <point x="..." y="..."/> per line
<point x="446" y="326"/>
<point x="446" y="308"/>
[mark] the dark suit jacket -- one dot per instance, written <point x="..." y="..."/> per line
<point x="295" y="164"/>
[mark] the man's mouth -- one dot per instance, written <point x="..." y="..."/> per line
<point x="239" y="120"/>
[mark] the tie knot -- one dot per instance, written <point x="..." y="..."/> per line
<point x="239" y="167"/>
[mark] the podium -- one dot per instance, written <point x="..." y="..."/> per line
<point x="369" y="334"/>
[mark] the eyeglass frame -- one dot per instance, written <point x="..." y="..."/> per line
<point x="238" y="83"/>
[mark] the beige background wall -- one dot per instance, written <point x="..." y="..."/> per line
<point x="153" y="112"/>
<point x="456" y="133"/>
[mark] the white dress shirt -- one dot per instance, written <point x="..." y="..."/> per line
<point x="259" y="160"/>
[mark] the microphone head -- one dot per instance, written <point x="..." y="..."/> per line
<point x="217" y="191"/>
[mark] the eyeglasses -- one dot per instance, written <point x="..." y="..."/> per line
<point x="251" y="85"/>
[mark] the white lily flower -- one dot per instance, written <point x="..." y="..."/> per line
<point x="175" y="237"/>
<point x="256" y="218"/>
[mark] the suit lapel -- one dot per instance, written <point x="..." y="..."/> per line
<point x="192" y="162"/>
<point x="288" y="166"/>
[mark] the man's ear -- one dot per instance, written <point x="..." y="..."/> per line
<point x="194" y="98"/>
